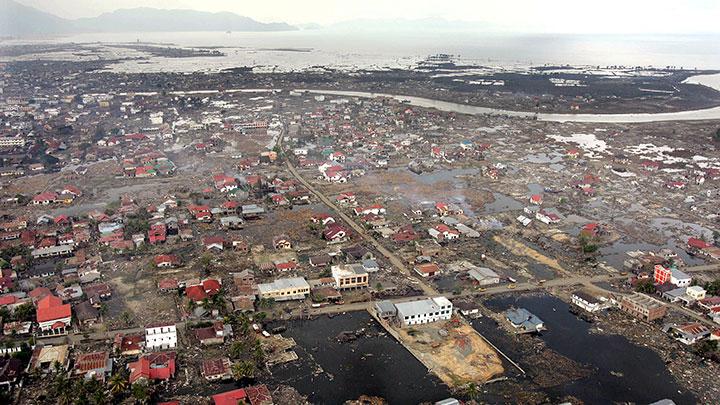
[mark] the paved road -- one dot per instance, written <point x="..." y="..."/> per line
<point x="391" y="257"/>
<point x="707" y="267"/>
<point x="499" y="289"/>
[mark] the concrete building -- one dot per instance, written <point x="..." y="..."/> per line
<point x="6" y="141"/>
<point x="587" y="301"/>
<point x="643" y="307"/>
<point x="51" y="251"/>
<point x="53" y="316"/>
<point x="679" y="278"/>
<point x="385" y="310"/>
<point x="423" y="311"/>
<point x="349" y="276"/>
<point x="689" y="333"/>
<point x="285" y="289"/>
<point x="483" y="276"/>
<point x="524" y="320"/>
<point x="160" y="336"/>
<point x="696" y="292"/>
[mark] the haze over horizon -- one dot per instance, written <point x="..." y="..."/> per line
<point x="562" y="16"/>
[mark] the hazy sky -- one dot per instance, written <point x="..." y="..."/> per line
<point x="591" y="16"/>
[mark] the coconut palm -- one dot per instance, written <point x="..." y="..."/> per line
<point x="142" y="392"/>
<point x="472" y="391"/>
<point x="118" y="383"/>
<point x="243" y="369"/>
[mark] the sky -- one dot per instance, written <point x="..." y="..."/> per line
<point x="551" y="16"/>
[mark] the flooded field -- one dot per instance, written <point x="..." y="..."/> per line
<point x="616" y="253"/>
<point x="621" y="370"/>
<point x="330" y="372"/>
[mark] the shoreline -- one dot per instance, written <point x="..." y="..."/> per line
<point x="708" y="114"/>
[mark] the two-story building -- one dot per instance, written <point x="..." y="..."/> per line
<point x="160" y="336"/>
<point x="349" y="276"/>
<point x="423" y="311"/>
<point x="53" y="316"/>
<point x="284" y="289"/>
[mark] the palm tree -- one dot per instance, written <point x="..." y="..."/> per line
<point x="217" y="301"/>
<point x="142" y="392"/>
<point x="61" y="388"/>
<point x="265" y="302"/>
<point x="243" y="369"/>
<point x="59" y="383"/>
<point x="118" y="384"/>
<point x="472" y="391"/>
<point x="100" y="397"/>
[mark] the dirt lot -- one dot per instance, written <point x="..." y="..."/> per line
<point x="460" y="357"/>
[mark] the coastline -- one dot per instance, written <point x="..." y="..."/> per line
<point x="689" y="115"/>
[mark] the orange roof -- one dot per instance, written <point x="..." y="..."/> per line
<point x="91" y="361"/>
<point x="50" y="308"/>
<point x="8" y="299"/>
<point x="229" y="398"/>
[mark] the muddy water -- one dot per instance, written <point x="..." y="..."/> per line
<point x="329" y="372"/>
<point x="622" y="371"/>
<point x="502" y="203"/>
<point x="616" y="254"/>
<point x="691" y="115"/>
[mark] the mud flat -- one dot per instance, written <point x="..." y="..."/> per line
<point x="689" y="115"/>
<point x="452" y="350"/>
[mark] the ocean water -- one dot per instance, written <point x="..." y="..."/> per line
<point x="298" y="50"/>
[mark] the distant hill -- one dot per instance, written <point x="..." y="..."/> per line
<point x="153" y="19"/>
<point x="19" y="20"/>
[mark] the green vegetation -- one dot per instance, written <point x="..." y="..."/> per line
<point x="23" y="313"/>
<point x="246" y="349"/>
<point x="266" y="303"/>
<point x="68" y="391"/>
<point x="243" y="369"/>
<point x="472" y="391"/>
<point x="645" y="286"/>
<point x="586" y="244"/>
<point x="142" y="392"/>
<point x="118" y="383"/>
<point x="9" y="252"/>
<point x="713" y="287"/>
<point x="706" y="348"/>
<point x="135" y="225"/>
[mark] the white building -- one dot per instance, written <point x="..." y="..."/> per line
<point x="161" y="336"/>
<point x="424" y="311"/>
<point x="349" y="276"/>
<point x="284" y="289"/>
<point x="587" y="302"/>
<point x="11" y="141"/>
<point x="696" y="292"/>
<point x="483" y="276"/>
<point x="679" y="278"/>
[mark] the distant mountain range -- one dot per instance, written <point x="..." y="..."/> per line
<point x="19" y="20"/>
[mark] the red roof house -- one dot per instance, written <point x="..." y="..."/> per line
<point x="153" y="366"/>
<point x="53" y="314"/>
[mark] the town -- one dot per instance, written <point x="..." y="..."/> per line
<point x="199" y="245"/>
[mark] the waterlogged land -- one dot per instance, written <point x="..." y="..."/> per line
<point x="618" y="370"/>
<point x="375" y="364"/>
<point x="158" y="180"/>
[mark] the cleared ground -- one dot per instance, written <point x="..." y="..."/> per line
<point x="452" y="350"/>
